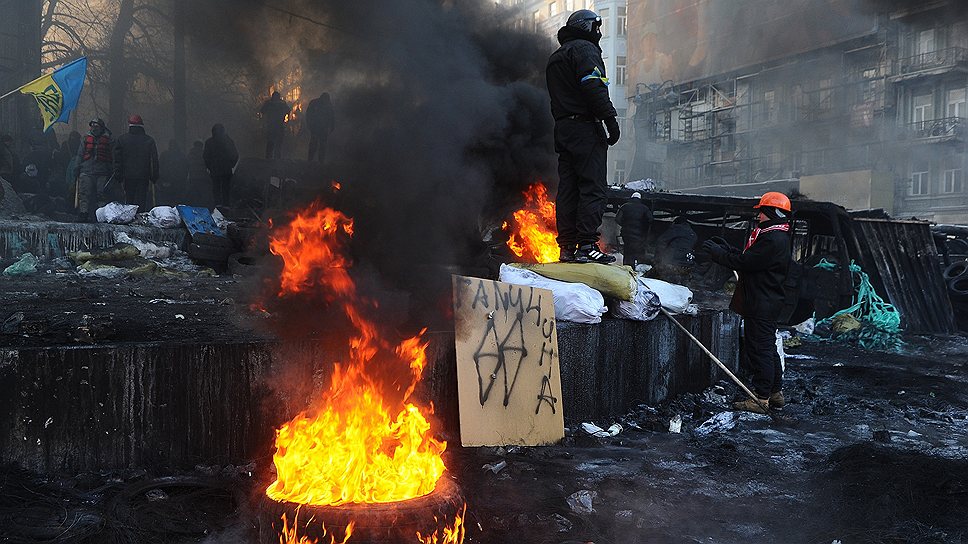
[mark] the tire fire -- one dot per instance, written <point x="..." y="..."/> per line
<point x="532" y="230"/>
<point x="362" y="441"/>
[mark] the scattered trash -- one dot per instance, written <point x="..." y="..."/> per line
<point x="580" y="502"/>
<point x="11" y="325"/>
<point x="675" y="424"/>
<point x="116" y="213"/>
<point x="179" y="316"/>
<point x="881" y="436"/>
<point x="599" y="432"/>
<point x="719" y="423"/>
<point x="220" y="220"/>
<point x="148" y="250"/>
<point x="27" y="264"/>
<point x="804" y="357"/>
<point x="156" y="495"/>
<point x="807" y="327"/>
<point x="164" y="217"/>
<point x="844" y="323"/>
<point x="562" y="524"/>
<point x="118" y="252"/>
<point x="496" y="467"/>
<point x="93" y="328"/>
<point x="625" y="517"/>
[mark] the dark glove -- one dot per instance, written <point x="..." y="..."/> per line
<point x="720" y="241"/>
<point x="611" y="124"/>
<point x="713" y="249"/>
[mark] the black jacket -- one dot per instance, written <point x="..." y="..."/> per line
<point x="320" y="117"/>
<point x="634" y="217"/>
<point x="576" y="78"/>
<point x="762" y="269"/>
<point x="220" y="153"/>
<point x="136" y="156"/>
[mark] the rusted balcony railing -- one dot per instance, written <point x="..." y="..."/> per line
<point x="947" y="127"/>
<point x="932" y="60"/>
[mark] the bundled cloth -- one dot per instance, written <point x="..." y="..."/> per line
<point x="645" y="307"/>
<point x="574" y="302"/>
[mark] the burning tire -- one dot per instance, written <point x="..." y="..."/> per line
<point x="380" y="523"/>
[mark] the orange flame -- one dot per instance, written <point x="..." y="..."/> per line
<point x="533" y="230"/>
<point x="362" y="441"/>
<point x="449" y="535"/>
<point x="290" y="535"/>
<point x="336" y="186"/>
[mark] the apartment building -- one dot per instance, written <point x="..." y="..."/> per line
<point x="862" y="104"/>
<point x="547" y="16"/>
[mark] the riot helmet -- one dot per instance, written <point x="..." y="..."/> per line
<point x="586" y="21"/>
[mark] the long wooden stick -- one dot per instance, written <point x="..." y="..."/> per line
<point x="716" y="360"/>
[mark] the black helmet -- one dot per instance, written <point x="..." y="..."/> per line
<point x="586" y="20"/>
<point x="96" y="122"/>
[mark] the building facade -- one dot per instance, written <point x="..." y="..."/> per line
<point x="547" y="16"/>
<point x="864" y="106"/>
<point x="19" y="63"/>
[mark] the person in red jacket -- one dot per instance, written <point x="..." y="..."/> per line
<point x="93" y="165"/>
<point x="762" y="266"/>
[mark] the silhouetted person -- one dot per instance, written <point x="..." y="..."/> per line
<point x="136" y="163"/>
<point x="94" y="157"/>
<point x="674" y="256"/>
<point x="174" y="170"/>
<point x="321" y="121"/>
<point x="580" y="104"/>
<point x="635" y="218"/>
<point x="220" y="157"/>
<point x="35" y="174"/>
<point x="274" y="113"/>
<point x="62" y="178"/>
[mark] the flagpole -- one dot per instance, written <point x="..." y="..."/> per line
<point x="41" y="77"/>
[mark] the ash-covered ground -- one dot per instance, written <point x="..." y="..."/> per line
<point x="875" y="450"/>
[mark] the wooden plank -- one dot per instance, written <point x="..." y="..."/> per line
<point x="508" y="375"/>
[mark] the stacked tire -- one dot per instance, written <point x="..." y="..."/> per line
<point x="956" y="277"/>
<point x="212" y="250"/>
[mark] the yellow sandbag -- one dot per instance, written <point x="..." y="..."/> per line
<point x="612" y="281"/>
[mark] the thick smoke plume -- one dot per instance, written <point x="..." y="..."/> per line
<point x="441" y="114"/>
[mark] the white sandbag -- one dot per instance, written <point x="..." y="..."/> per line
<point x="674" y="298"/>
<point x="645" y="307"/>
<point x="148" y="250"/>
<point x="575" y="302"/>
<point x="164" y="217"/>
<point x="116" y="213"/>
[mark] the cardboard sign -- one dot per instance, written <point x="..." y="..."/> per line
<point x="508" y="379"/>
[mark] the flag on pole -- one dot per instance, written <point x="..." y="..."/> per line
<point x="57" y="92"/>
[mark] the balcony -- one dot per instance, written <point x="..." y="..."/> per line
<point x="937" y="62"/>
<point x="936" y="130"/>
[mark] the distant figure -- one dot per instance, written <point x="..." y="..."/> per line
<point x="8" y="160"/>
<point x="674" y="257"/>
<point x="174" y="171"/>
<point x="62" y="182"/>
<point x="635" y="218"/>
<point x="94" y="158"/>
<point x="321" y="121"/>
<point x="274" y="113"/>
<point x="136" y="163"/>
<point x="35" y="174"/>
<point x="220" y="157"/>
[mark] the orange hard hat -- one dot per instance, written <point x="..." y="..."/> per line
<point x="775" y="200"/>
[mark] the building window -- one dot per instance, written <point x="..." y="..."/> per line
<point x="923" y="110"/>
<point x="956" y="103"/>
<point x="569" y="5"/>
<point x="953" y="181"/>
<point x="825" y="96"/>
<point x="620" y="70"/>
<point x="604" y="15"/>
<point x="769" y="107"/>
<point x="619" y="176"/>
<point x="552" y="9"/>
<point x="925" y="43"/>
<point x="536" y="18"/>
<point x="623" y="21"/>
<point x="920" y="174"/>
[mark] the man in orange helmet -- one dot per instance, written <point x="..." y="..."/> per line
<point x="762" y="266"/>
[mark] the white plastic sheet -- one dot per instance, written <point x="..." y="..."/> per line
<point x="116" y="213"/>
<point x="676" y="299"/>
<point x="645" y="307"/>
<point x="574" y="302"/>
<point x="165" y="217"/>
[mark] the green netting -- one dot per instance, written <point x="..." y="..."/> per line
<point x="880" y="321"/>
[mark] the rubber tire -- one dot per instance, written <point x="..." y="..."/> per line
<point x="958" y="288"/>
<point x="201" y="252"/>
<point x="955" y="270"/>
<point x="241" y="235"/>
<point x="241" y="264"/>
<point x="957" y="246"/>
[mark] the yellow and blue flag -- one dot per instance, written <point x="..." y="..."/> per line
<point x="57" y="93"/>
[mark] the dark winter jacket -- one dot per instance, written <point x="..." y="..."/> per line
<point x="673" y="246"/>
<point x="635" y="218"/>
<point x="320" y="117"/>
<point x="762" y="269"/>
<point x="576" y="78"/>
<point x="8" y="163"/>
<point x="274" y="113"/>
<point x="94" y="155"/>
<point x="174" y="165"/>
<point x="136" y="156"/>
<point x="220" y="154"/>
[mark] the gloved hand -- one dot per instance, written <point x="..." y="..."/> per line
<point x="713" y="249"/>
<point x="611" y="124"/>
<point x="720" y="241"/>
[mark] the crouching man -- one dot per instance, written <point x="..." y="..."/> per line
<point x="762" y="267"/>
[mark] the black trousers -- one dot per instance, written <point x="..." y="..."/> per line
<point x="634" y="250"/>
<point x="582" y="186"/>
<point x="221" y="189"/>
<point x="317" y="144"/>
<point x="274" y="141"/>
<point x="759" y="344"/>
<point x="136" y="192"/>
